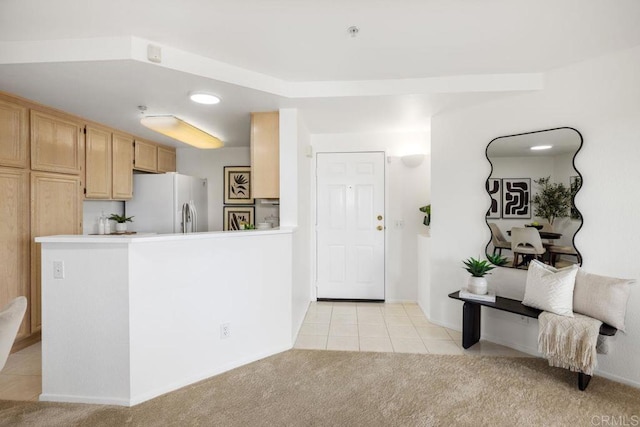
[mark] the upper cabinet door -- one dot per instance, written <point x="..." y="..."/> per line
<point x="14" y="128"/>
<point x="146" y="156"/>
<point x="166" y="159"/>
<point x="265" y="155"/>
<point x="98" y="166"/>
<point x="56" y="144"/>
<point x="122" y="167"/>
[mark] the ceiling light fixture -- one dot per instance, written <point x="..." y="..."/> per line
<point x="175" y="128"/>
<point x="204" y="98"/>
<point x="541" y="147"/>
<point x="412" y="160"/>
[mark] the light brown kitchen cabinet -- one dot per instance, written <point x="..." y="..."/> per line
<point x="145" y="156"/>
<point x="265" y="155"/>
<point x="166" y="159"/>
<point x="98" y="163"/>
<point x="57" y="144"/>
<point x="109" y="165"/>
<point x="14" y="235"/>
<point x="14" y="131"/>
<point x="122" y="180"/>
<point x="56" y="208"/>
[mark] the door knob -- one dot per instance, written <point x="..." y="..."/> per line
<point x="379" y="217"/>
<point x="379" y="228"/>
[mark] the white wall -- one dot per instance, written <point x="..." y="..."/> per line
<point x="302" y="270"/>
<point x="92" y="210"/>
<point x="601" y="99"/>
<point x="406" y="190"/>
<point x="146" y="315"/>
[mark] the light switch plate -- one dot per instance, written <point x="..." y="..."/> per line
<point x="58" y="270"/>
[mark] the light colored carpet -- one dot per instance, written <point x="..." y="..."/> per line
<point x="309" y="388"/>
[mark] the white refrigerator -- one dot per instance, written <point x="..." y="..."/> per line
<point x="168" y="203"/>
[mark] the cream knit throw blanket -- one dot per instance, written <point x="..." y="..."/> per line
<point x="569" y="342"/>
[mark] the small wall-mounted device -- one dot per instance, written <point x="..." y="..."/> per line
<point x="154" y="53"/>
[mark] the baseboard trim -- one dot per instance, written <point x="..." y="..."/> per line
<point x="26" y="341"/>
<point x="47" y="397"/>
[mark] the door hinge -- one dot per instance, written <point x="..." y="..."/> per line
<point x="85" y="190"/>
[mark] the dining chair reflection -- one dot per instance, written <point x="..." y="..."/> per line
<point x="525" y="242"/>
<point x="498" y="240"/>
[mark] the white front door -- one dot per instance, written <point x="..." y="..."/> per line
<point x="350" y="225"/>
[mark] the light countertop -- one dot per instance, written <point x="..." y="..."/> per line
<point x="149" y="237"/>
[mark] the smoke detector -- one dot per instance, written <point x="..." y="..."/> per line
<point x="353" y="30"/>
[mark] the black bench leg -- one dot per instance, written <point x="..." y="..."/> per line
<point x="470" y="324"/>
<point x="583" y="380"/>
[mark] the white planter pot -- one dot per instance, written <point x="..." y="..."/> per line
<point x="121" y="227"/>
<point x="477" y="285"/>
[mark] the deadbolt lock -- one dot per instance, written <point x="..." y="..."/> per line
<point x="379" y="217"/>
<point x="379" y="228"/>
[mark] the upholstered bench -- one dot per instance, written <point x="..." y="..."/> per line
<point x="471" y="322"/>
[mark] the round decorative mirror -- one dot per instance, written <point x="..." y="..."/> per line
<point x="532" y="186"/>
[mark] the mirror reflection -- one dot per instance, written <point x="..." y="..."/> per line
<point x="532" y="187"/>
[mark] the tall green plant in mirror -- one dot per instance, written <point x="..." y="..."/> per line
<point x="533" y="183"/>
<point x="553" y="200"/>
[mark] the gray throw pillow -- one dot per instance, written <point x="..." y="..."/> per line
<point x="601" y="297"/>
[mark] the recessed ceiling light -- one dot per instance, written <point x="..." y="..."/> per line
<point x="541" y="147"/>
<point x="204" y="98"/>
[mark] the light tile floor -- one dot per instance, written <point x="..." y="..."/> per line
<point x="384" y="327"/>
<point x="21" y="377"/>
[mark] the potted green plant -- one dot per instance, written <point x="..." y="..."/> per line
<point x="552" y="201"/>
<point x="427" y="218"/>
<point x="477" y="283"/>
<point x="497" y="259"/>
<point x="121" y="222"/>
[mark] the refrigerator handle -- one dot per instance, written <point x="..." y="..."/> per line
<point x="185" y="215"/>
<point x="194" y="216"/>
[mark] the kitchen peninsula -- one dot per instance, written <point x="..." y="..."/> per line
<point x="128" y="318"/>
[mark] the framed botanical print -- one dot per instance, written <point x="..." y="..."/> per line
<point x="237" y="185"/>
<point x="236" y="216"/>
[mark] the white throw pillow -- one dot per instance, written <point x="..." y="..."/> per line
<point x="550" y="289"/>
<point x="601" y="297"/>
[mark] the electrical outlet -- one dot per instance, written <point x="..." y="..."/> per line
<point x="225" y="330"/>
<point x="58" y="270"/>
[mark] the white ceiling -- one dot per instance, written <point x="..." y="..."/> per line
<point x="299" y="42"/>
